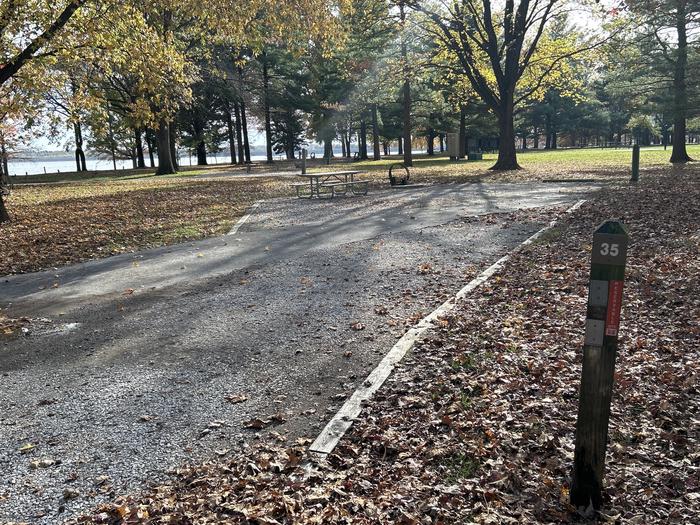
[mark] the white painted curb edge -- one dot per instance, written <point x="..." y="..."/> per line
<point x="343" y="419"/>
<point x="243" y="219"/>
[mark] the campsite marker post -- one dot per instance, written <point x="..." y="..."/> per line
<point x="608" y="259"/>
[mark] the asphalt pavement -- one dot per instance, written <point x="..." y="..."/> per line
<point x="141" y="362"/>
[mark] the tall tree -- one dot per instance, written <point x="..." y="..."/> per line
<point x="406" y="90"/>
<point x="668" y="30"/>
<point x="30" y="31"/>
<point x="494" y="45"/>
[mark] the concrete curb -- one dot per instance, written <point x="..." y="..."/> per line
<point x="343" y="419"/>
<point x="245" y="218"/>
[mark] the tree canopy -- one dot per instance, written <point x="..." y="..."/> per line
<point x="127" y="78"/>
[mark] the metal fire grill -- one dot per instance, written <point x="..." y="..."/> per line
<point x="400" y="178"/>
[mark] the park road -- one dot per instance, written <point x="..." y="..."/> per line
<point x="148" y="360"/>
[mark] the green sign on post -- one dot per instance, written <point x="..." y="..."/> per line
<point x="608" y="259"/>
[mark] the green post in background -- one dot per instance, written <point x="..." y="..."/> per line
<point x="635" y="163"/>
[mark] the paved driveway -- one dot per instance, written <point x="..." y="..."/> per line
<point x="150" y="360"/>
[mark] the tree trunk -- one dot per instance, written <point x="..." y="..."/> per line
<point x="431" y="142"/>
<point x="173" y="147"/>
<point x="507" y="157"/>
<point x="201" y="153"/>
<point x="375" y="133"/>
<point x="289" y="138"/>
<point x="553" y="141"/>
<point x="679" y="154"/>
<point x="4" y="214"/>
<point x="328" y="150"/>
<point x="442" y="142"/>
<point x="362" y="139"/>
<point x="407" y="150"/>
<point x="239" y="134"/>
<point x="151" y="148"/>
<point x="536" y="138"/>
<point x="244" y="126"/>
<point x="348" y="143"/>
<point x="462" y="132"/>
<point x="79" y="153"/>
<point x="165" y="161"/>
<point x="231" y="136"/>
<point x="385" y="144"/>
<point x="266" y="102"/>
<point x="140" y="160"/>
<point x="112" y="146"/>
<point x="400" y="141"/>
<point x="342" y="145"/>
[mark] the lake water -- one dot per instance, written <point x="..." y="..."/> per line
<point x="50" y="165"/>
<point x="67" y="164"/>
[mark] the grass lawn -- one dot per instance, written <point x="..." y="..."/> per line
<point x="86" y="216"/>
<point x="539" y="165"/>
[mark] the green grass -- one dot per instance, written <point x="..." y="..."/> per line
<point x="550" y="235"/>
<point x="181" y="233"/>
<point x="575" y="164"/>
<point x="460" y="466"/>
<point x="599" y="157"/>
<point x="595" y="157"/>
<point x="549" y="164"/>
<point x="465" y="362"/>
<point x="465" y="400"/>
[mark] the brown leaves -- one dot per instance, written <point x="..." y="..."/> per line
<point x="10" y="326"/>
<point x="54" y="225"/>
<point x="258" y="423"/>
<point x="425" y="268"/>
<point x="236" y="398"/>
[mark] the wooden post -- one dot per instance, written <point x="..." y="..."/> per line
<point x="635" y="163"/>
<point x="608" y="260"/>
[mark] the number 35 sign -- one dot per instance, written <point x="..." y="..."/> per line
<point x="608" y="260"/>
<point x="609" y="248"/>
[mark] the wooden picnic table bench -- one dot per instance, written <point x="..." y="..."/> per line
<point x="338" y="182"/>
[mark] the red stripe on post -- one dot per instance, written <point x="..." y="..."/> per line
<point x="612" y="321"/>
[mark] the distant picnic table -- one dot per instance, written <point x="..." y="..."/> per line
<point x="329" y="184"/>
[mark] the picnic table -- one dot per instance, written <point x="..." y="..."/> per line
<point x="334" y="182"/>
